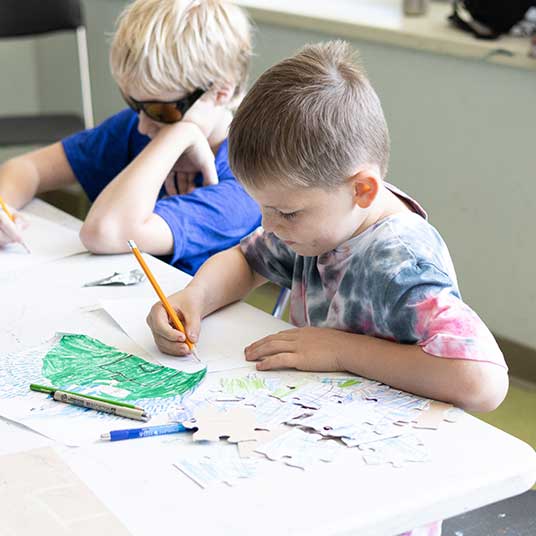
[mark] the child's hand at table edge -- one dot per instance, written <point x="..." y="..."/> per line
<point x="10" y="232"/>
<point x="167" y="338"/>
<point x="308" y="348"/>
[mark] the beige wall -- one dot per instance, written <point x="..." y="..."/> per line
<point x="463" y="142"/>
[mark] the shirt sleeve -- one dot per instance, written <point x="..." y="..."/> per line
<point x="99" y="154"/>
<point x="423" y="306"/>
<point x="207" y="220"/>
<point x="269" y="257"/>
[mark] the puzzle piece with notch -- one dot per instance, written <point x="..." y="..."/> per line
<point x="396" y="451"/>
<point x="236" y="424"/>
<point x="247" y="449"/>
<point x="299" y="449"/>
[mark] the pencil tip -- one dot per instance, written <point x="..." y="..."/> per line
<point x="195" y="354"/>
<point x="131" y="244"/>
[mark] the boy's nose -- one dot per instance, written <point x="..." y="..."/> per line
<point x="268" y="223"/>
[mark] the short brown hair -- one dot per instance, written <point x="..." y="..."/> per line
<point x="309" y="120"/>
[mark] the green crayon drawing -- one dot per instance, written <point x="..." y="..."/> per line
<point x="349" y="383"/>
<point x="83" y="361"/>
<point x="247" y="384"/>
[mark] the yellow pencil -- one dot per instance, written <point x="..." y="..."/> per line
<point x="10" y="216"/>
<point x="165" y="302"/>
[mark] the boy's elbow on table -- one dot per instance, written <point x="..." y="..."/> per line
<point x="482" y="386"/>
<point x="106" y="236"/>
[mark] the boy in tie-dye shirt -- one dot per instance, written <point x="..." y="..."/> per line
<point x="373" y="289"/>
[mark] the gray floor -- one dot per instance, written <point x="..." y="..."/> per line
<point x="512" y="517"/>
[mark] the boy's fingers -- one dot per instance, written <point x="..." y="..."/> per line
<point x="170" y="184"/>
<point x="210" y="175"/>
<point x="159" y="323"/>
<point x="186" y="182"/>
<point x="268" y="347"/>
<point x="171" y="348"/>
<point x="4" y="240"/>
<point x="9" y="229"/>
<point x="257" y="344"/>
<point x="286" y="336"/>
<point x="192" y="326"/>
<point x="20" y="221"/>
<point x="278" y="361"/>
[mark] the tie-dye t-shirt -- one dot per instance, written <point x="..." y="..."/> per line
<point x="394" y="281"/>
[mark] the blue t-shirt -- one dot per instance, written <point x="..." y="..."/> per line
<point x="208" y="220"/>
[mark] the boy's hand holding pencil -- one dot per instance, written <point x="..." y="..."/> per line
<point x="175" y="330"/>
<point x="167" y="338"/>
<point x="11" y="226"/>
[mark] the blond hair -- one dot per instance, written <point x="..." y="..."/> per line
<point x="310" y="120"/>
<point x="169" y="45"/>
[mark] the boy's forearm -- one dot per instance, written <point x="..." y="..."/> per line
<point x="472" y="385"/>
<point x="126" y="204"/>
<point x="19" y="181"/>
<point x="224" y="278"/>
<point x="42" y="170"/>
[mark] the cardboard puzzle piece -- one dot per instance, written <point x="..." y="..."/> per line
<point x="453" y="414"/>
<point x="340" y="421"/>
<point x="396" y="451"/>
<point x="313" y="395"/>
<point x="236" y="424"/>
<point x="367" y="434"/>
<point x="270" y="412"/>
<point x="300" y="449"/>
<point x="432" y="417"/>
<point x="247" y="449"/>
<point x="215" y="463"/>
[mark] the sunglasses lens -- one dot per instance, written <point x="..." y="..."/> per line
<point x="163" y="112"/>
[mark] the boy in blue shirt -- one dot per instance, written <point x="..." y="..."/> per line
<point x="156" y="173"/>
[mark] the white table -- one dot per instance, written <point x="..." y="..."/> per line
<point x="473" y="464"/>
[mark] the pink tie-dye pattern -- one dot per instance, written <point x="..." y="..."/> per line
<point x="446" y="327"/>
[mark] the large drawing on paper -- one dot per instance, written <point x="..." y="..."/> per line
<point x="83" y="361"/>
<point x="82" y="364"/>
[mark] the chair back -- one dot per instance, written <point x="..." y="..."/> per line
<point x="20" y="18"/>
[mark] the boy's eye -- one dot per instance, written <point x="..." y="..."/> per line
<point x="288" y="215"/>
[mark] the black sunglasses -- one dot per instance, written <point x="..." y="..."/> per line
<point x="164" y="111"/>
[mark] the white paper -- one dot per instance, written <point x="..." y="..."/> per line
<point x="221" y="344"/>
<point x="47" y="241"/>
<point x="130" y="314"/>
<point x="69" y="424"/>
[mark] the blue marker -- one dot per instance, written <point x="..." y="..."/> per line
<point x="147" y="431"/>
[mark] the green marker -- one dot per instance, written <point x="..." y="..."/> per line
<point x="119" y="409"/>
<point x="49" y="390"/>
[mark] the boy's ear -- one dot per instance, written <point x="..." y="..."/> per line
<point x="224" y="93"/>
<point x="365" y="188"/>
